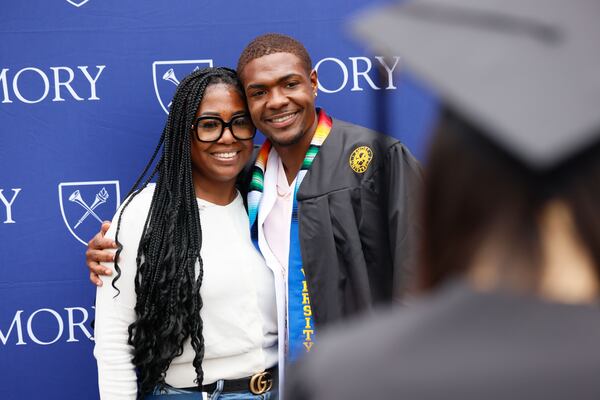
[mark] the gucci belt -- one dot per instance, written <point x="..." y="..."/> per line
<point x="258" y="383"/>
<point x="261" y="382"/>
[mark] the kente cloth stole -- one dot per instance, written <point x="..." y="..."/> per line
<point x="301" y="329"/>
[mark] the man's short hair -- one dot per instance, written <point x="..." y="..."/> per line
<point x="271" y="43"/>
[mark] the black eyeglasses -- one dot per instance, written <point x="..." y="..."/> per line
<point x="210" y="129"/>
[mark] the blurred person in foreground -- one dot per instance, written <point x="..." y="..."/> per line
<point x="511" y="251"/>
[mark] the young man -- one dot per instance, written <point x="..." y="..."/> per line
<point x="344" y="239"/>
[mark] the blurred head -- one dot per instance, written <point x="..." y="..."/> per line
<point x="280" y="86"/>
<point x="481" y="203"/>
<point x="513" y="172"/>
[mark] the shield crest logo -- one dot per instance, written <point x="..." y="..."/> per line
<point x="84" y="205"/>
<point x="77" y="3"/>
<point x="167" y="74"/>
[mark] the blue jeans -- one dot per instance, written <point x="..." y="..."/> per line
<point x="181" y="394"/>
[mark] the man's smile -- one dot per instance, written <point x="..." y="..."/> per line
<point x="282" y="120"/>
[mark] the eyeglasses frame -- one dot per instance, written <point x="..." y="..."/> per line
<point x="228" y="124"/>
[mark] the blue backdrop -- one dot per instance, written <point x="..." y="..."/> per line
<point x="84" y="90"/>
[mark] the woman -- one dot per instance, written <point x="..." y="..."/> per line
<point x="191" y="308"/>
<point x="510" y="267"/>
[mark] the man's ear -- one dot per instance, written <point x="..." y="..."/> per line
<point x="314" y="82"/>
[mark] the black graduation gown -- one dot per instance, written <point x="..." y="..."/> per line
<point x="358" y="226"/>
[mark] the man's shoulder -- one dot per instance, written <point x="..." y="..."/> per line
<point x="365" y="149"/>
<point x="352" y="156"/>
<point x="352" y="133"/>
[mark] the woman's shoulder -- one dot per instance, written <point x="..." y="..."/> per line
<point x="139" y="200"/>
<point x="142" y="196"/>
<point x="133" y="211"/>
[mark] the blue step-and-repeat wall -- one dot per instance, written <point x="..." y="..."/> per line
<point x="84" y="92"/>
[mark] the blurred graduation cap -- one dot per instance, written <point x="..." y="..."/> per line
<point x="525" y="72"/>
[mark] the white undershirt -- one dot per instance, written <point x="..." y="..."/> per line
<point x="239" y="312"/>
<point x="278" y="221"/>
<point x="273" y="239"/>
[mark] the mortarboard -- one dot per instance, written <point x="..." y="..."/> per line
<point x="526" y="72"/>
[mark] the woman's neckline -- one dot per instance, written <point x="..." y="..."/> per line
<point x="203" y="204"/>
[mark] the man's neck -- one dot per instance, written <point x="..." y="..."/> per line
<point x="293" y="156"/>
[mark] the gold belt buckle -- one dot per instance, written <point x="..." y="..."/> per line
<point x="261" y="382"/>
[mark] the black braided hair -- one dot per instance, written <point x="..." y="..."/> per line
<point x="167" y="287"/>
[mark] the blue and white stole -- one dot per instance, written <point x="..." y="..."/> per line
<point x="300" y="323"/>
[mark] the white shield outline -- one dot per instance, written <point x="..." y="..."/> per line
<point x="77" y="4"/>
<point x="154" y="78"/>
<point x="60" y="200"/>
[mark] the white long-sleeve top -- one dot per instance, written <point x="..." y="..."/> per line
<point x="239" y="312"/>
<point x="274" y="218"/>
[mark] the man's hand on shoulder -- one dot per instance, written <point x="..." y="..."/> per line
<point x="97" y="253"/>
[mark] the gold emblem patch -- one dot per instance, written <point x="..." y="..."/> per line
<point x="360" y="159"/>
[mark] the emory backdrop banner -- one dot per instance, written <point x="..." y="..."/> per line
<point x="85" y="87"/>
